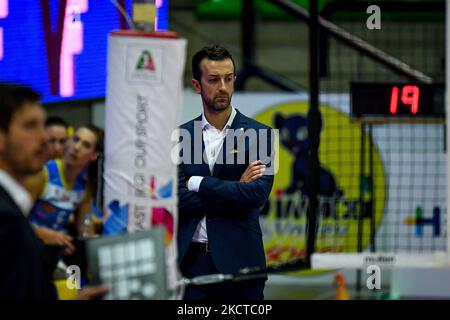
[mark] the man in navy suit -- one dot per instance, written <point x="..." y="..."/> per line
<point x="225" y="177"/>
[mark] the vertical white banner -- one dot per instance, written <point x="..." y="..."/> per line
<point x="143" y="106"/>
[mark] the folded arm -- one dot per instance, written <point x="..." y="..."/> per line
<point x="192" y="203"/>
<point x="237" y="194"/>
<point x="210" y="194"/>
<point x="251" y="191"/>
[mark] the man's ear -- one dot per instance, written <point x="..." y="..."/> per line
<point x="196" y="85"/>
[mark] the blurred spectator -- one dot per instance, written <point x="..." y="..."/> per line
<point x="63" y="189"/>
<point x="57" y="132"/>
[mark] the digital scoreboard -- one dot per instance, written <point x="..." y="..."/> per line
<point x="397" y="100"/>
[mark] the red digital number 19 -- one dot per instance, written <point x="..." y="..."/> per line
<point x="409" y="95"/>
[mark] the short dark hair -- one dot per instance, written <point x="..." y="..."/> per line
<point x="56" y="121"/>
<point x="12" y="98"/>
<point x="215" y="52"/>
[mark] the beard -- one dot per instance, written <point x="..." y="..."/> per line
<point x="216" y="104"/>
<point x="22" y="166"/>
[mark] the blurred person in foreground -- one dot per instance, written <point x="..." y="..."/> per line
<point x="24" y="269"/>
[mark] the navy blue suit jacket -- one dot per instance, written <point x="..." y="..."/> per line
<point x="24" y="270"/>
<point x="231" y="207"/>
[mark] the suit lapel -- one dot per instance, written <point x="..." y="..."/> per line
<point x="204" y="168"/>
<point x="239" y="122"/>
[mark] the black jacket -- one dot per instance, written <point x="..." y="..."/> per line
<point x="24" y="269"/>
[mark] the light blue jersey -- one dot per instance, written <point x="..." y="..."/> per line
<point x="57" y="203"/>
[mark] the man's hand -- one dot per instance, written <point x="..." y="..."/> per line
<point x="253" y="172"/>
<point x="52" y="237"/>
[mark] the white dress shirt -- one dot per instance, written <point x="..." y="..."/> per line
<point x="213" y="139"/>
<point x="17" y="192"/>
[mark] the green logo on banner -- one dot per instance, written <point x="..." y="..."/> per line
<point x="145" y="61"/>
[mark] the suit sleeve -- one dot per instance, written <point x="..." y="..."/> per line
<point x="13" y="246"/>
<point x="191" y="203"/>
<point x="238" y="194"/>
<point x="244" y="195"/>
